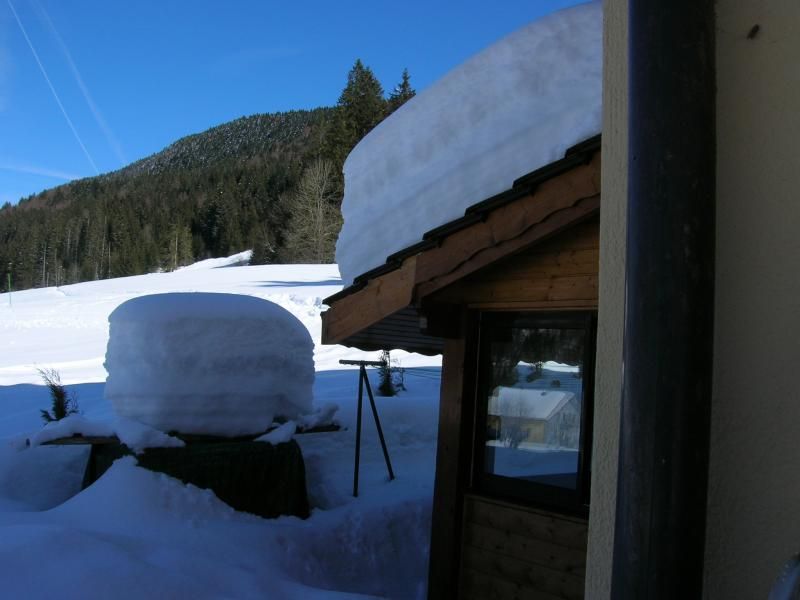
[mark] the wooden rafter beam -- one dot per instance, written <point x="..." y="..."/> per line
<point x="552" y="207"/>
<point x="381" y="297"/>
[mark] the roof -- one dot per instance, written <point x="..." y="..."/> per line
<point x="380" y="309"/>
<point x="527" y="403"/>
<point x="515" y="106"/>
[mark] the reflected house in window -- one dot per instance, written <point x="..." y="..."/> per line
<point x="527" y="418"/>
<point x="533" y="434"/>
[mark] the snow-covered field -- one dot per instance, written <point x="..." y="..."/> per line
<point x="138" y="534"/>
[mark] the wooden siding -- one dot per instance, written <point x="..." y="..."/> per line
<point x="559" y="273"/>
<point x="515" y="552"/>
<point x="399" y="330"/>
<point x="464" y="253"/>
<point x="534" y="429"/>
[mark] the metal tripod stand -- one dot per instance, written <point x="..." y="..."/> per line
<point x="363" y="381"/>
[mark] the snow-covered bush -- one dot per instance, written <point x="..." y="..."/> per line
<point x="220" y="364"/>
<point x="391" y="377"/>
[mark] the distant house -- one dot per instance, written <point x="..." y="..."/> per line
<point x="533" y="415"/>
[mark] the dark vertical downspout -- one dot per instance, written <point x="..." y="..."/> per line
<point x="666" y="403"/>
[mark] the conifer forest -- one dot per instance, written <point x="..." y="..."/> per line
<point x="269" y="182"/>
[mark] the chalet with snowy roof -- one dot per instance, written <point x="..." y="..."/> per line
<point x="499" y="246"/>
<point x="481" y="290"/>
<point x="487" y="209"/>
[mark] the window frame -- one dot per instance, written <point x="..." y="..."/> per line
<point x="565" y="500"/>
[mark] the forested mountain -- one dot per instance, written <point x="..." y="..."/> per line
<point x="270" y="182"/>
<point x="245" y="137"/>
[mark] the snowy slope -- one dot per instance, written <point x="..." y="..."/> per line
<point x="136" y="534"/>
<point x="67" y="327"/>
<point x="512" y="108"/>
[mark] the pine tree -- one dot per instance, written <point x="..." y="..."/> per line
<point x="212" y="226"/>
<point x="176" y="248"/>
<point x="360" y="108"/>
<point x="402" y="93"/>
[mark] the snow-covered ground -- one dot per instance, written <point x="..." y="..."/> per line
<point x="138" y="534"/>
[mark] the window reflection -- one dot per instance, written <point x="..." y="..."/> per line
<point x="534" y="402"/>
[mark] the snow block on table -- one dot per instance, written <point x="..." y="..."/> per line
<point x="510" y="109"/>
<point x="200" y="363"/>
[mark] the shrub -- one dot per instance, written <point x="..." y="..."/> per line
<point x="62" y="402"/>
<point x="386" y="385"/>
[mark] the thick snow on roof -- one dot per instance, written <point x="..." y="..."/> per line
<point x="223" y="364"/>
<point x="512" y="108"/>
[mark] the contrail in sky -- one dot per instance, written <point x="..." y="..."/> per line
<point x="52" y="89"/>
<point x="98" y="117"/>
<point x="34" y="170"/>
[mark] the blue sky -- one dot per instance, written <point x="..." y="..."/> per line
<point x="132" y="77"/>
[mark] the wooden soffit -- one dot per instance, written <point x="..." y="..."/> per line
<point x="465" y="246"/>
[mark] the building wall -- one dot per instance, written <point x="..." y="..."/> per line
<point x="513" y="551"/>
<point x="560" y="272"/>
<point x="608" y="377"/>
<point x="754" y="487"/>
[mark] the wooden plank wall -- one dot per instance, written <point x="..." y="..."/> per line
<point x="398" y="330"/>
<point x="511" y="552"/>
<point x="561" y="272"/>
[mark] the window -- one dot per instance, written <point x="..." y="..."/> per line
<point x="534" y="407"/>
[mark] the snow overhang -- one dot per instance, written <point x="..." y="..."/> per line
<point x="516" y="106"/>
<point x="383" y="308"/>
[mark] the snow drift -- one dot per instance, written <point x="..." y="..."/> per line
<point x="512" y="108"/>
<point x="221" y="364"/>
<point x="136" y="534"/>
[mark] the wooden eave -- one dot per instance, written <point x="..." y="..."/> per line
<point x="381" y="308"/>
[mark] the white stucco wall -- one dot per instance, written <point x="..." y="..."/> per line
<point x="754" y="487"/>
<point x="608" y="379"/>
